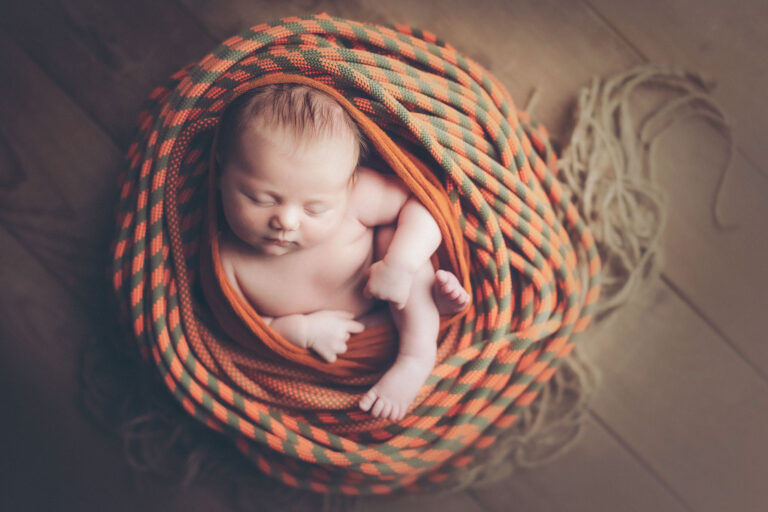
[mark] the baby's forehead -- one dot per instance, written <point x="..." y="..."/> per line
<point x="282" y="156"/>
<point x="297" y="134"/>
<point x="293" y="141"/>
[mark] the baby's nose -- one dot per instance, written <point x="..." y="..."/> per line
<point x="287" y="219"/>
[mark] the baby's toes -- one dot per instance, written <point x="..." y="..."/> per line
<point x="368" y="399"/>
<point x="395" y="414"/>
<point x="451" y="284"/>
<point x="378" y="407"/>
<point x="386" y="410"/>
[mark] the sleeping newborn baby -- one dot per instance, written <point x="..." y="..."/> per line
<point x="314" y="242"/>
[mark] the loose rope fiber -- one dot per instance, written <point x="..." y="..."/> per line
<point x="609" y="169"/>
<point x="533" y="263"/>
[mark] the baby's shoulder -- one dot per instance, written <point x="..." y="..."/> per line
<point x="366" y="177"/>
<point x="376" y="196"/>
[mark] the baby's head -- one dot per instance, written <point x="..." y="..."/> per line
<point x="287" y="155"/>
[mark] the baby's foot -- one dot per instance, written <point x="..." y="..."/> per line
<point x="450" y="296"/>
<point x="391" y="396"/>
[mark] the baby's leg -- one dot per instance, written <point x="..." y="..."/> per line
<point x="417" y="325"/>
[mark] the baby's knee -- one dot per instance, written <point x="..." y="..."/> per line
<point x="420" y="299"/>
<point x="424" y="279"/>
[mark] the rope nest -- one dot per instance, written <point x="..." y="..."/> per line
<point x="533" y="267"/>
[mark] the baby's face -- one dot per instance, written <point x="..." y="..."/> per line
<point x="281" y="195"/>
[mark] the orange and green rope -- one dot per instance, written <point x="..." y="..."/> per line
<point x="526" y="255"/>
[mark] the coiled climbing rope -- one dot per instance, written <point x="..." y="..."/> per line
<point x="440" y="121"/>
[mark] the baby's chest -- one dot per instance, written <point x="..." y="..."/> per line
<point x="328" y="277"/>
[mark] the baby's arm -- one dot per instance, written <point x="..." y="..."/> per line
<point x="325" y="332"/>
<point x="383" y="200"/>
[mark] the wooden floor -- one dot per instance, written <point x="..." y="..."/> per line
<point x="680" y="419"/>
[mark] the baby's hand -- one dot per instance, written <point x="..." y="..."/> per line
<point x="328" y="332"/>
<point x="389" y="283"/>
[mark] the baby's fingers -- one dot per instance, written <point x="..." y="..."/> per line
<point x="340" y="346"/>
<point x="355" y="327"/>
<point x="328" y="355"/>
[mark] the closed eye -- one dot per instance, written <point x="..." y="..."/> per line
<point x="260" y="201"/>
<point x="317" y="209"/>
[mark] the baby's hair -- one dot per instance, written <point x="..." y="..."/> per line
<point x="305" y="111"/>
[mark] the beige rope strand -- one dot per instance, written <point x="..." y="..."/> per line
<point x="610" y="167"/>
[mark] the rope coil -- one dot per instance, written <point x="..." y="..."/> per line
<point x="533" y="264"/>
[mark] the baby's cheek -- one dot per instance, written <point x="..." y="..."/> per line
<point x="322" y="229"/>
<point x="245" y="222"/>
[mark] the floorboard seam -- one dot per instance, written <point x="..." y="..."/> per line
<point x="472" y="493"/>
<point x="762" y="172"/>
<point x="113" y="139"/>
<point x="712" y="325"/>
<point x="640" y="460"/>
<point x="620" y="35"/>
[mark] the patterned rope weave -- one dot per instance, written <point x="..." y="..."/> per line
<point x="533" y="263"/>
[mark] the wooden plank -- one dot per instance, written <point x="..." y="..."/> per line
<point x="53" y="456"/>
<point x="60" y="203"/>
<point x="597" y="474"/>
<point x="681" y="399"/>
<point x="725" y="41"/>
<point x="721" y="273"/>
<point x="224" y="19"/>
<point x="62" y="191"/>
<point x="107" y="56"/>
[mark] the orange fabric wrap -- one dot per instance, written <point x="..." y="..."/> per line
<point x="374" y="349"/>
